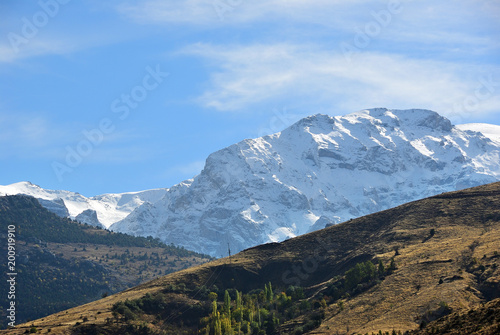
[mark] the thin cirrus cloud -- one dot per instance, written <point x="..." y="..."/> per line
<point x="51" y="44"/>
<point x="34" y="47"/>
<point x="202" y="12"/>
<point x="248" y="75"/>
<point x="425" y="55"/>
<point x="29" y="136"/>
<point x="426" y="18"/>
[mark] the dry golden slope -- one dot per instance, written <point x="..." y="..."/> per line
<point x="456" y="265"/>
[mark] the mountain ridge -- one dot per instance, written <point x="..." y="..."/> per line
<point x="441" y="254"/>
<point x="278" y="186"/>
<point x="321" y="170"/>
<point x="109" y="207"/>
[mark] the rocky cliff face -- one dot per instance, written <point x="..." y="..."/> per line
<point x="319" y="171"/>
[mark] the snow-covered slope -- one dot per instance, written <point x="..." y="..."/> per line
<point x="489" y="130"/>
<point x="321" y="168"/>
<point x="109" y="208"/>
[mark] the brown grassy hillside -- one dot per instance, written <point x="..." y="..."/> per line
<point x="445" y="250"/>
<point x="481" y="320"/>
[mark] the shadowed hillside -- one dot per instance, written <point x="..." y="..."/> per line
<point x="61" y="263"/>
<point x="483" y="319"/>
<point x="396" y="270"/>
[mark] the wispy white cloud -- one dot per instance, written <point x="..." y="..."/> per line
<point x="27" y="135"/>
<point x="35" y="47"/>
<point x="424" y="54"/>
<point x="312" y="77"/>
<point x="35" y="136"/>
<point x="462" y="26"/>
<point x="69" y="38"/>
<point x="203" y="12"/>
<point x="7" y="53"/>
<point x="167" y="12"/>
<point x="430" y="25"/>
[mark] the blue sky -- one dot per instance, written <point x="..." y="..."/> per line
<point x="115" y="96"/>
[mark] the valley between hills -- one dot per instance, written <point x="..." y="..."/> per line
<point x="425" y="267"/>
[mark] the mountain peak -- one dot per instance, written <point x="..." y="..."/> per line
<point x="321" y="169"/>
<point x="381" y="117"/>
<point x="321" y="121"/>
<point x="23" y="187"/>
<point x="407" y="117"/>
<point x="424" y="118"/>
<point x="25" y="184"/>
<point x="331" y="167"/>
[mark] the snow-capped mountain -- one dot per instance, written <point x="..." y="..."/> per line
<point x="489" y="130"/>
<point x="100" y="210"/>
<point x="319" y="171"/>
